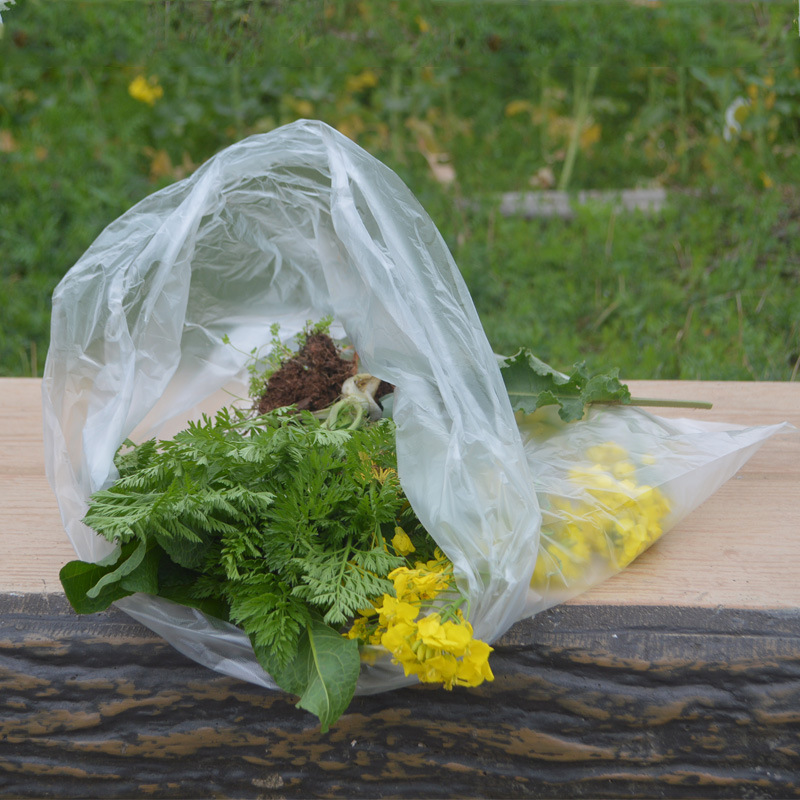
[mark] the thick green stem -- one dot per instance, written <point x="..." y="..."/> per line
<point x="654" y="402"/>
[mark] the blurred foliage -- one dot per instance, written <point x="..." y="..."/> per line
<point x="102" y="103"/>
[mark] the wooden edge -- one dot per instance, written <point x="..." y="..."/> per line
<point x="45" y="615"/>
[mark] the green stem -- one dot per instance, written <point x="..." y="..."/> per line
<point x="682" y="134"/>
<point x="655" y="403"/>
<point x="583" y="98"/>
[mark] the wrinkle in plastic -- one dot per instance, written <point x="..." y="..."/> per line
<point x="295" y="225"/>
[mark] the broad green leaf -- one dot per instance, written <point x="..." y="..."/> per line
<point x="78" y="577"/>
<point x="128" y="562"/>
<point x="324" y="673"/>
<point x="144" y="578"/>
<point x="531" y="384"/>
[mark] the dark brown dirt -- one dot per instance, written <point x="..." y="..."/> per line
<point x="311" y="380"/>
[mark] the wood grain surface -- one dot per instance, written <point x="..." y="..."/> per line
<point x="619" y="702"/>
<point x="741" y="548"/>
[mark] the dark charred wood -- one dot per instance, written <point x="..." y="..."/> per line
<point x="588" y="701"/>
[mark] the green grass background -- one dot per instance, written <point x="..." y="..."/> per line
<point x="497" y="97"/>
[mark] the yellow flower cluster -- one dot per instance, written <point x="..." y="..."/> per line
<point x="615" y="519"/>
<point x="438" y="647"/>
<point x="145" y="90"/>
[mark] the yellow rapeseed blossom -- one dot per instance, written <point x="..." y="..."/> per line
<point x="437" y="647"/>
<point x="615" y="519"/>
<point x="402" y="543"/>
<point x="421" y="584"/>
<point x="146" y="90"/>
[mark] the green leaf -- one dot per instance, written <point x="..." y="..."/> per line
<point x="78" y="577"/>
<point x="129" y="569"/>
<point x="180" y="585"/>
<point x="182" y="550"/>
<point x="213" y="606"/>
<point x="324" y="673"/>
<point x="144" y="578"/>
<point x="128" y="562"/>
<point x="532" y="384"/>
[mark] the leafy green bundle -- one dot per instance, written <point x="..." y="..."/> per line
<point x="276" y="524"/>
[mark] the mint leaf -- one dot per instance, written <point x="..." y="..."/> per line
<point x="532" y="384"/>
<point x="324" y="673"/>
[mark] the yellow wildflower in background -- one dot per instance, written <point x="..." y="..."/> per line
<point x="363" y="80"/>
<point x="146" y="90"/>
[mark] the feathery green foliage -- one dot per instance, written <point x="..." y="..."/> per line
<point x="274" y="523"/>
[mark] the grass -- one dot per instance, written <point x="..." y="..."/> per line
<point x="684" y="295"/>
<point x="499" y="97"/>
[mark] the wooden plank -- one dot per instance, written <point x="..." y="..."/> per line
<point x="546" y="204"/>
<point x="587" y="702"/>
<point x="740" y="548"/>
<point x="32" y="536"/>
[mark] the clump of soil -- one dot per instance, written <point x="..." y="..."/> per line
<point x="311" y="380"/>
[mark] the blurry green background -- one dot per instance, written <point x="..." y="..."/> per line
<point x="102" y="103"/>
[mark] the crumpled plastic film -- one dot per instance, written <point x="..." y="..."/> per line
<point x="285" y="227"/>
<point x="298" y="224"/>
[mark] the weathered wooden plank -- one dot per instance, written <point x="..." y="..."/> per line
<point x="612" y="702"/>
<point x="546" y="204"/>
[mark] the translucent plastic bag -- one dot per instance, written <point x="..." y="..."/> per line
<point x="612" y="483"/>
<point x="295" y="225"/>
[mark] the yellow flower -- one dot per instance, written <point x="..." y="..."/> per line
<point x="415" y="585"/>
<point x="435" y="651"/>
<point x="359" y="629"/>
<point x="393" y="611"/>
<point x="402" y="543"/>
<point x="444" y="636"/>
<point x="440" y="668"/>
<point x="147" y="90"/>
<point x="364" y="80"/>
<point x="474" y="667"/>
<point x="399" y="640"/>
<point x="612" y="518"/>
